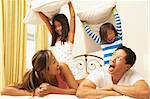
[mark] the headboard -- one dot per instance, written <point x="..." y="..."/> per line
<point x="86" y="63"/>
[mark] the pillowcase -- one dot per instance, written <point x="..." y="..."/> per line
<point x="97" y="14"/>
<point x="48" y="7"/>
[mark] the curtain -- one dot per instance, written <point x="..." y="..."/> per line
<point x="41" y="37"/>
<point x="2" y="80"/>
<point x="14" y="40"/>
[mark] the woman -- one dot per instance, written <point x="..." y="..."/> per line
<point x="46" y="77"/>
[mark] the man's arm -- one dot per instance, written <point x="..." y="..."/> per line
<point x="139" y="90"/>
<point x="87" y="89"/>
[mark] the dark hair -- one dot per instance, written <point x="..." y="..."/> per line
<point x="103" y="31"/>
<point x="38" y="75"/>
<point x="131" y="56"/>
<point x="65" y="28"/>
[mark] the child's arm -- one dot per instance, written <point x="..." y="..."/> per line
<point x="46" y="21"/>
<point x="91" y="34"/>
<point x="72" y="23"/>
<point x="118" y="22"/>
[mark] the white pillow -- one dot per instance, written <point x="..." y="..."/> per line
<point x="48" y="7"/>
<point x="97" y="14"/>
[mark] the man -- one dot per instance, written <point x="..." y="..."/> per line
<point x="116" y="80"/>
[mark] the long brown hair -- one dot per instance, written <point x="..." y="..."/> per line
<point x="38" y="75"/>
<point x="65" y="28"/>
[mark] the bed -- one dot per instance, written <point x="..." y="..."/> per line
<point x="59" y="96"/>
<point x="86" y="63"/>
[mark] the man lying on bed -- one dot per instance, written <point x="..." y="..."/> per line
<point x="116" y="80"/>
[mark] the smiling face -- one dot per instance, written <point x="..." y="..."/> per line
<point x="107" y="33"/>
<point x="58" y="27"/>
<point x="54" y="66"/>
<point x="118" y="64"/>
<point x="110" y="36"/>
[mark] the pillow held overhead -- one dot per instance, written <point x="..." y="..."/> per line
<point x="48" y="7"/>
<point x="97" y="14"/>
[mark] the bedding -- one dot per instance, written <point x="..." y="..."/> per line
<point x="59" y="96"/>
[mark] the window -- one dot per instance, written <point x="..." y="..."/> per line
<point x="30" y="45"/>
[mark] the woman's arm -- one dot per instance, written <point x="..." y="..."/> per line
<point x="46" y="21"/>
<point x="66" y="72"/>
<point x="72" y="23"/>
<point x="12" y="91"/>
<point x="46" y="89"/>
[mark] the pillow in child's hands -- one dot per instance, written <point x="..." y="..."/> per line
<point x="32" y="17"/>
<point x="48" y="7"/>
<point x="97" y="14"/>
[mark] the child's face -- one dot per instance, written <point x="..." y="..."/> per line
<point x="58" y="27"/>
<point x="110" y="36"/>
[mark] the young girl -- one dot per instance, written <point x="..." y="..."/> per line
<point x="62" y="36"/>
<point x="110" y="38"/>
<point x="46" y="77"/>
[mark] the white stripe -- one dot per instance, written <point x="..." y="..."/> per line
<point x="107" y="59"/>
<point x="109" y="51"/>
<point x="115" y="43"/>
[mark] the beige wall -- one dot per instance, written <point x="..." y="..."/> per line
<point x="134" y="15"/>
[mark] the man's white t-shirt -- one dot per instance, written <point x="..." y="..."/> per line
<point x="101" y="78"/>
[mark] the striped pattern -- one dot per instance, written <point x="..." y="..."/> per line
<point x="108" y="48"/>
<point x="95" y="37"/>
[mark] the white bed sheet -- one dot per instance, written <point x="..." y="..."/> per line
<point x="59" y="96"/>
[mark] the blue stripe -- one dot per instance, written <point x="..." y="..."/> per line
<point x="88" y="31"/>
<point x="119" y="30"/>
<point x="116" y="14"/>
<point x="107" y="55"/>
<point x="118" y="20"/>
<point x="117" y="17"/>
<point x="90" y="34"/>
<point x="111" y="47"/>
<point x="106" y="62"/>
<point x="118" y="26"/>
<point x="119" y="23"/>
<point x="98" y="41"/>
<point x="116" y="39"/>
<point x="86" y="26"/>
<point x="119" y="33"/>
<point x="93" y="36"/>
